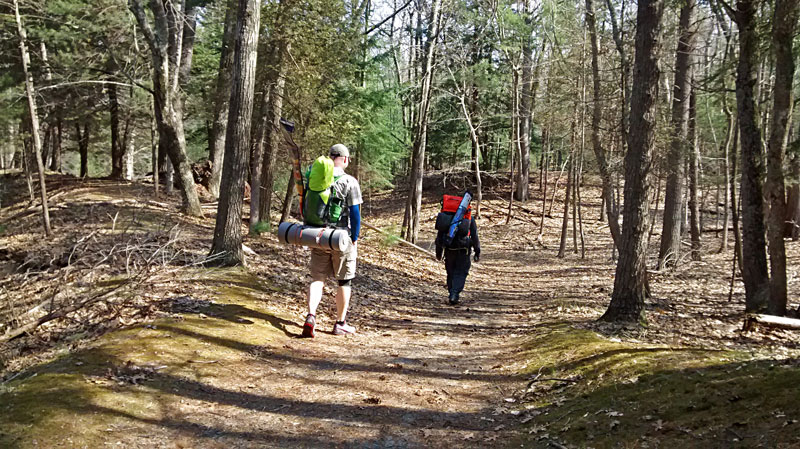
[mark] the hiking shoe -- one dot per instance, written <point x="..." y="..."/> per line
<point x="342" y="328"/>
<point x="308" y="327"/>
<point x="453" y="299"/>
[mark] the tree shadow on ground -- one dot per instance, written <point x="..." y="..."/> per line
<point x="94" y="390"/>
<point x="724" y="405"/>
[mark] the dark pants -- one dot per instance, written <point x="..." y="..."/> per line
<point x="457" y="264"/>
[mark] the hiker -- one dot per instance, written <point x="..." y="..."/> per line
<point x="346" y="192"/>
<point x="456" y="254"/>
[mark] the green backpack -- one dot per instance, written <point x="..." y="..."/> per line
<point x="321" y="207"/>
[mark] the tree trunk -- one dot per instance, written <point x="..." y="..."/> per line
<point x="154" y="147"/>
<point x="288" y="199"/>
<point x="165" y="42"/>
<point x="31" y="95"/>
<point x="226" y="249"/>
<point x="277" y="79"/>
<point x="187" y="46"/>
<point x="578" y="184"/>
<point x="630" y="280"/>
<point x="619" y="42"/>
<point x="782" y="35"/>
<point x="257" y="162"/>
<point x="605" y="174"/>
<point x="473" y="134"/>
<point x="654" y="210"/>
<point x="546" y="142"/>
<point x="222" y="100"/>
<point x="46" y="143"/>
<point x="754" y="257"/>
<point x="129" y="159"/>
<point x="792" y="222"/>
<point x="27" y="157"/>
<point x="117" y="149"/>
<point x="514" y="140"/>
<point x="525" y="107"/>
<point x="127" y="138"/>
<point x="670" y="248"/>
<point x="726" y="148"/>
<point x="414" y="204"/>
<point x="83" y="146"/>
<point x="735" y="205"/>
<point x="694" y="168"/>
<point x="565" y="221"/>
<point x="55" y="158"/>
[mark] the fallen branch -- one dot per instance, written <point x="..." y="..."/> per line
<point x="418" y="248"/>
<point x="60" y="313"/>
<point x="504" y="212"/>
<point x="30" y="210"/>
<point x="754" y="319"/>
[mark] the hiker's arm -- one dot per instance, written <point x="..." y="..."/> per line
<point x="355" y="221"/>
<point x="476" y="242"/>
<point x="439" y="248"/>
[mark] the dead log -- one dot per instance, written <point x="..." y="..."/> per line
<point x="515" y="205"/>
<point x="752" y="320"/>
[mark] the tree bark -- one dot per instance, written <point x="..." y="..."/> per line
<point x="694" y="169"/>
<point x="31" y="95"/>
<point x="154" y="147"/>
<point x="670" y="248"/>
<point x="117" y="149"/>
<point x="473" y="134"/>
<point x="222" y="100"/>
<point x="792" y="222"/>
<point x="55" y="161"/>
<point x="277" y="79"/>
<point x="414" y="204"/>
<point x="288" y="199"/>
<point x="726" y="149"/>
<point x="46" y="143"/>
<point x="565" y="219"/>
<point x="754" y="258"/>
<point x="257" y="163"/>
<point x="226" y="249"/>
<point x="83" y="146"/>
<point x="526" y="103"/>
<point x="611" y="210"/>
<point x="165" y="41"/>
<point x="735" y="200"/>
<point x="187" y="46"/>
<point x="783" y="26"/>
<point x="619" y="42"/>
<point x="630" y="280"/>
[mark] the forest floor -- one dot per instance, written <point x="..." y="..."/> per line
<point x="161" y="352"/>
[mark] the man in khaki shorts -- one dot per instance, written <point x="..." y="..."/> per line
<point x="341" y="265"/>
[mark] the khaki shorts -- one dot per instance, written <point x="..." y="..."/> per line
<point x="341" y="265"/>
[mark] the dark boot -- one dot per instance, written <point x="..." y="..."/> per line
<point x="453" y="299"/>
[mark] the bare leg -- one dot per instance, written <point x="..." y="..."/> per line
<point x="315" y="296"/>
<point x="342" y="302"/>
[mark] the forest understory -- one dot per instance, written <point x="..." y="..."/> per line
<point x="141" y="346"/>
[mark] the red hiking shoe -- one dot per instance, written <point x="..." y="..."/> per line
<point x="308" y="326"/>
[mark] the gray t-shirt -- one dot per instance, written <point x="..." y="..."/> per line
<point x="346" y="187"/>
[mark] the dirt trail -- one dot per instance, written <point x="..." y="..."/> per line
<point x="223" y="366"/>
<point x="419" y="372"/>
<point x="212" y="358"/>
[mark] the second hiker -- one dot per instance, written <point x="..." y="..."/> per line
<point x="456" y="249"/>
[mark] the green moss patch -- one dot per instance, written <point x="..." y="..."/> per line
<point x="589" y="391"/>
<point x="140" y="375"/>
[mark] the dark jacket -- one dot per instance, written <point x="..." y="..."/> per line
<point x="473" y="241"/>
